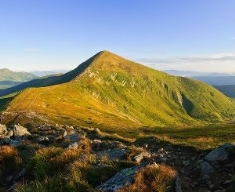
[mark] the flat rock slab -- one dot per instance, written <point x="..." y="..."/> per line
<point x="121" y="179"/>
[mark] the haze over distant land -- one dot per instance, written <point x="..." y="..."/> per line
<point x="45" y="35"/>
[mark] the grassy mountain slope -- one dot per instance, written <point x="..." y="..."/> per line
<point x="9" y="78"/>
<point x="110" y="91"/>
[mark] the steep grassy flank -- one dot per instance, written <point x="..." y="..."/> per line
<point x="109" y="91"/>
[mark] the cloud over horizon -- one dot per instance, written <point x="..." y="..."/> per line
<point x="213" y="63"/>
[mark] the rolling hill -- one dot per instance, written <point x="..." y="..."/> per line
<point x="110" y="91"/>
<point x="10" y="78"/>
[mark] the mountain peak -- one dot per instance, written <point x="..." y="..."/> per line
<point x="106" y="55"/>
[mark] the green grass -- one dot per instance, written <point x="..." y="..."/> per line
<point x="112" y="92"/>
<point x="201" y="138"/>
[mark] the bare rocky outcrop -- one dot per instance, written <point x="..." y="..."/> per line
<point x="20" y="132"/>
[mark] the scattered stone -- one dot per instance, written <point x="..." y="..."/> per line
<point x="15" y="143"/>
<point x="116" y="154"/>
<point x="146" y="145"/>
<point x="141" y="156"/>
<point x="43" y="140"/>
<point x="73" y="146"/>
<point x="10" y="133"/>
<point x="20" y="132"/>
<point x="63" y="133"/>
<point x="227" y="182"/>
<point x="121" y="179"/>
<point x="73" y="137"/>
<point x="97" y="131"/>
<point x="3" y="129"/>
<point x="97" y="141"/>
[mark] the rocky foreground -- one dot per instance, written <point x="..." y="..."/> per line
<point x="66" y="158"/>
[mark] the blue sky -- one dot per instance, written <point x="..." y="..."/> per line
<point x="175" y="34"/>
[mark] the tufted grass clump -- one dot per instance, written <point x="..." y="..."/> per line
<point x="10" y="161"/>
<point x="152" y="178"/>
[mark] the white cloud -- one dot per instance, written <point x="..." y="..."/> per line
<point x="212" y="63"/>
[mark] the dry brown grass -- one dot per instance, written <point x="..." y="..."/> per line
<point x="10" y="160"/>
<point x="153" y="178"/>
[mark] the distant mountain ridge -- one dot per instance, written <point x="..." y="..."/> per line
<point x="110" y="91"/>
<point x="228" y="90"/>
<point x="197" y="74"/>
<point x="215" y="79"/>
<point x="8" y="75"/>
<point x="10" y="78"/>
<point x="48" y="73"/>
<point x="49" y="80"/>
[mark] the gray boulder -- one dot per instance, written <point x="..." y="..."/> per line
<point x="121" y="179"/>
<point x="219" y="154"/>
<point x="20" y="132"/>
<point x="116" y="154"/>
